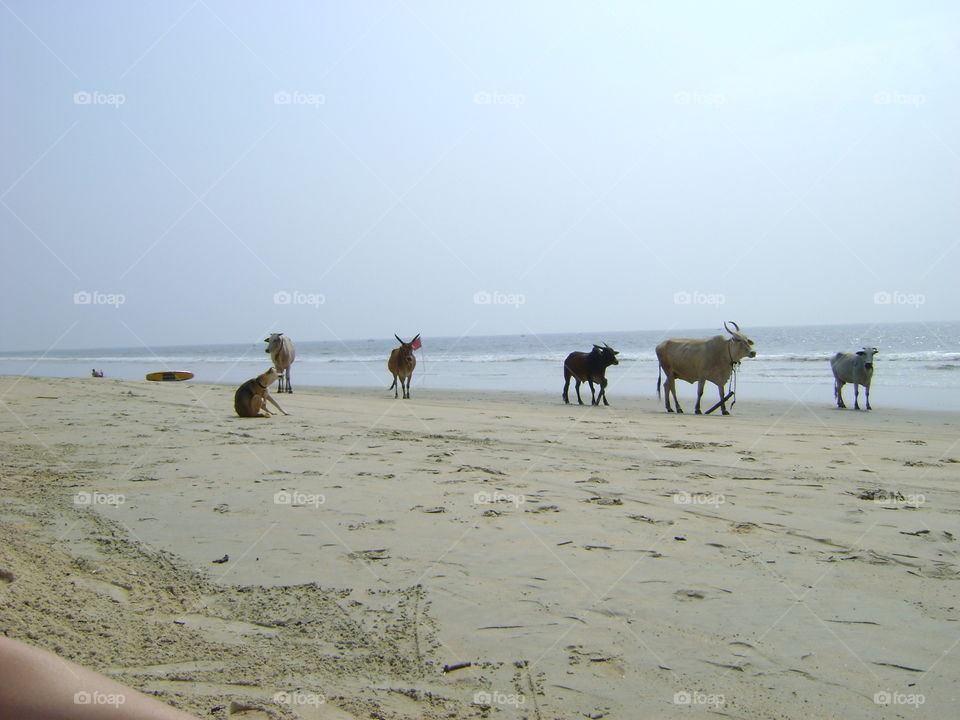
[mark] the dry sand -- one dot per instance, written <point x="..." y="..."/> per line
<point x="588" y="562"/>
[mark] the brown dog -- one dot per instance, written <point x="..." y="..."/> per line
<point x="251" y="397"/>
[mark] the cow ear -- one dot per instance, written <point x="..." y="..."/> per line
<point x="875" y="351"/>
<point x="859" y="352"/>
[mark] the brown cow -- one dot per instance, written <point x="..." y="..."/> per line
<point x="401" y="364"/>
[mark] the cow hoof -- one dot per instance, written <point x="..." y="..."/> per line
<point x="670" y="410"/>
<point x="725" y="412"/>
<point x="680" y="411"/>
<point x="697" y="412"/>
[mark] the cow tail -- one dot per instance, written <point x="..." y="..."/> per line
<point x="394" y="383"/>
<point x="659" y="370"/>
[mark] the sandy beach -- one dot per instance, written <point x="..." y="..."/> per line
<point x="463" y="555"/>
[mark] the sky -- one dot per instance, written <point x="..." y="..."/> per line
<point x="199" y="172"/>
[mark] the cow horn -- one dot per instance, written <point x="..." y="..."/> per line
<point x="728" y="329"/>
<point x="398" y="338"/>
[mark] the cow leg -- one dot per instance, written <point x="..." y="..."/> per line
<point x="839" y="391"/>
<point x="566" y="390"/>
<point x="593" y="396"/>
<point x="396" y="389"/>
<point x="603" y="391"/>
<point x="856" y="396"/>
<point x="696" y="408"/>
<point x="666" y="393"/>
<point x="406" y="389"/>
<point x="287" y="376"/>
<point x="723" y="404"/>
<point x="676" y="401"/>
<point x="867" y="393"/>
<point x="579" y="399"/>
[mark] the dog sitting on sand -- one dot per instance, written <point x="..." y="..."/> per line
<point x="252" y="397"/>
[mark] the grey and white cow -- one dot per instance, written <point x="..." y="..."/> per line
<point x="856" y="368"/>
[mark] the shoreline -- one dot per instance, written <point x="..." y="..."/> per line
<point x="591" y="560"/>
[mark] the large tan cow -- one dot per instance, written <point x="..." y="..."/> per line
<point x="401" y="364"/>
<point x="701" y="360"/>
<point x="856" y="368"/>
<point x="282" y="353"/>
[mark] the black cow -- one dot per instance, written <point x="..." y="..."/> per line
<point x="591" y="368"/>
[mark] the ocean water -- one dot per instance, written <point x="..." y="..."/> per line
<point x="918" y="365"/>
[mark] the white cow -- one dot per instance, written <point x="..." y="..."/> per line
<point x="856" y="368"/>
<point x="282" y="353"/>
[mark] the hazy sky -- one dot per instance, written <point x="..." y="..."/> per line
<point x="193" y="172"/>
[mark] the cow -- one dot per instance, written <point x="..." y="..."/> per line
<point x="701" y="360"/>
<point x="856" y="368"/>
<point x="282" y="353"/>
<point x="591" y="368"/>
<point x="401" y="364"/>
